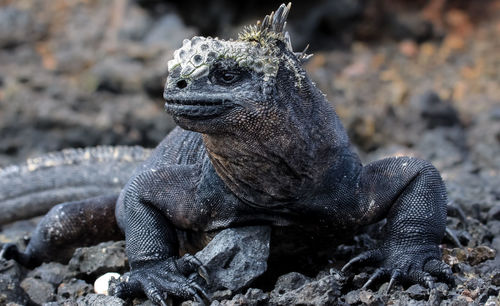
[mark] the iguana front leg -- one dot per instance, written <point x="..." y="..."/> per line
<point x="152" y="202"/>
<point x="411" y="194"/>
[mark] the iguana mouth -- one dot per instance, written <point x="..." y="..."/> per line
<point x="197" y="108"/>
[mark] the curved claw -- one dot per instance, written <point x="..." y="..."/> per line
<point x="394" y="277"/>
<point x="453" y="237"/>
<point x="380" y="272"/>
<point x="156" y="297"/>
<point x="188" y="263"/>
<point x="156" y="292"/>
<point x="203" y="272"/>
<point x="372" y="255"/>
<point x="191" y="259"/>
<point x="201" y="291"/>
<point x="196" y="296"/>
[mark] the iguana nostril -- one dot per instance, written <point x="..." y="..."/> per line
<point x="182" y="84"/>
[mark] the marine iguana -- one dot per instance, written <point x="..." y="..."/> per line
<point x="257" y="143"/>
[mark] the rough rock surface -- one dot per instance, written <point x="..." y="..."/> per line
<point x="99" y="259"/>
<point x="99" y="299"/>
<point x="38" y="290"/>
<point x="72" y="290"/>
<point x="53" y="273"/>
<point x="293" y="289"/>
<point x="11" y="291"/>
<point x="237" y="256"/>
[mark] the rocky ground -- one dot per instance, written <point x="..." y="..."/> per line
<point x="419" y="78"/>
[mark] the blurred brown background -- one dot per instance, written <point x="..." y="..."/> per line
<point x="414" y="77"/>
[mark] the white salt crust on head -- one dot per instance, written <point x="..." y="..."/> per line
<point x="194" y="58"/>
<point x="256" y="49"/>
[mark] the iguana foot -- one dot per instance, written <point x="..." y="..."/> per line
<point x="8" y="250"/>
<point x="421" y="266"/>
<point x="11" y="251"/>
<point x="160" y="279"/>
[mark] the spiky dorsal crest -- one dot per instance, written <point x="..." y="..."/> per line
<point x="273" y="28"/>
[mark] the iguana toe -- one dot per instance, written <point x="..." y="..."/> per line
<point x="158" y="280"/>
<point x="420" y="266"/>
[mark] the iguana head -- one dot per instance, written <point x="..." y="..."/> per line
<point x="214" y="84"/>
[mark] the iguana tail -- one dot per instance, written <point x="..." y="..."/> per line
<point x="32" y="188"/>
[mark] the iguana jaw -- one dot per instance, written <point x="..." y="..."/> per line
<point x="196" y="108"/>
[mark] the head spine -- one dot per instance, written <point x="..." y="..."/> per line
<point x="272" y="28"/>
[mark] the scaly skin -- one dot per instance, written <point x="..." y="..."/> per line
<point x="260" y="144"/>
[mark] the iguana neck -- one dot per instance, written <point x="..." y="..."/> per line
<point x="280" y="163"/>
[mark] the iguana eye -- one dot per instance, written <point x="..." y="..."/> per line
<point x="229" y="77"/>
<point x="225" y="77"/>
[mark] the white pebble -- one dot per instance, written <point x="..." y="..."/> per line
<point x="101" y="284"/>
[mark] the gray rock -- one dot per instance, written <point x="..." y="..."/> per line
<point x="52" y="272"/>
<point x="437" y="112"/>
<point x="191" y="303"/>
<point x="99" y="259"/>
<point x="360" y="279"/>
<point x="236" y="256"/>
<point x="495" y="277"/>
<point x="324" y="291"/>
<point x="492" y="301"/>
<point x="256" y="295"/>
<point x="466" y="189"/>
<point x="367" y="297"/>
<point x="290" y="281"/>
<point x="484" y="149"/>
<point x="252" y="297"/>
<point x="11" y="269"/>
<point x="442" y="146"/>
<point x="494" y="213"/>
<point x="142" y="302"/>
<point x="338" y="275"/>
<point x="496" y="243"/>
<point x="494" y="227"/>
<point x="73" y="289"/>
<point x="99" y="299"/>
<point x="11" y="291"/>
<point x="435" y="297"/>
<point x="38" y="290"/>
<point x="352" y="297"/>
<point x="443" y="288"/>
<point x="417" y="292"/>
<point x="221" y="295"/>
<point x="481" y="254"/>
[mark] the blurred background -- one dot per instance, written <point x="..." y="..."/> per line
<point x="414" y="77"/>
